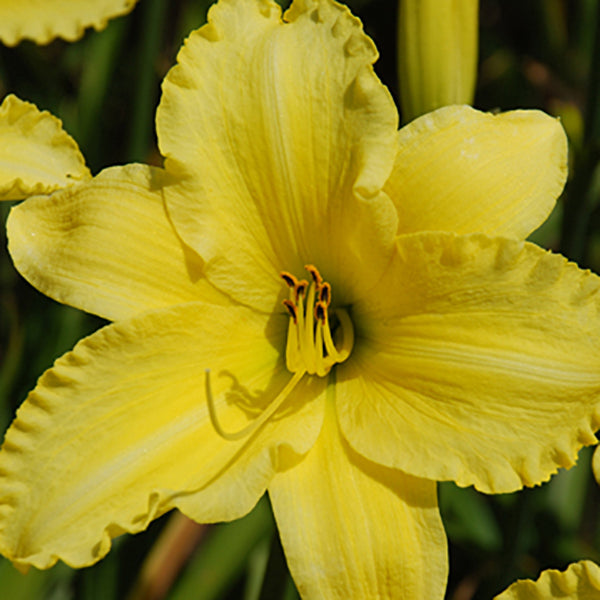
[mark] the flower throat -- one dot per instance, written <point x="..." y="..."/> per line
<point x="310" y="348"/>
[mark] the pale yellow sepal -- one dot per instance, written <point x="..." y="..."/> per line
<point x="118" y="431"/>
<point x="284" y="161"/>
<point x="437" y="54"/>
<point x="36" y="155"/>
<point x="44" y="20"/>
<point x="462" y="170"/>
<point x="353" y="529"/>
<point x="107" y="246"/>
<point x="581" y="581"/>
<point x="476" y="360"/>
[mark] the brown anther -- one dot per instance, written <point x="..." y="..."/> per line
<point x="289" y="279"/>
<point x="321" y="312"/>
<point x="314" y="273"/>
<point x="301" y="288"/>
<point x="291" y="308"/>
<point x="325" y="294"/>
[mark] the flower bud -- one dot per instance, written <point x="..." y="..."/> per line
<point x="437" y="54"/>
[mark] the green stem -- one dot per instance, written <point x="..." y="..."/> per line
<point x="581" y="199"/>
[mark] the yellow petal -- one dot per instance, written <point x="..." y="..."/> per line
<point x="476" y="360"/>
<point x="354" y="529"/>
<point x="118" y="432"/>
<point x="44" y="20"/>
<point x="107" y="246"/>
<point x="279" y="138"/>
<point x="581" y="581"/>
<point x="36" y="155"/>
<point x="461" y="170"/>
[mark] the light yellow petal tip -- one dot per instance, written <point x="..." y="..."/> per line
<point x="462" y="170"/>
<point x="37" y="156"/>
<point x="581" y="581"/>
<point x="44" y="20"/>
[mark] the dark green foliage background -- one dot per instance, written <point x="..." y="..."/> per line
<point x="533" y="54"/>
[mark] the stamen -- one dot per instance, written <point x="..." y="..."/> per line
<point x="291" y="308"/>
<point x="258" y="422"/>
<point x="320" y="312"/>
<point x="310" y="346"/>
<point x="300" y="289"/>
<point x="290" y="280"/>
<point x="314" y="272"/>
<point x="325" y="294"/>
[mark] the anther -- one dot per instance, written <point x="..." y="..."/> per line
<point x="314" y="273"/>
<point x="301" y="288"/>
<point x="291" y="308"/>
<point x="325" y="294"/>
<point x="289" y="279"/>
<point x="320" y="312"/>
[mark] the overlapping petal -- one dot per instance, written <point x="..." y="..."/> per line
<point x="283" y="160"/>
<point x="107" y="246"/>
<point x="581" y="581"/>
<point x="118" y="432"/>
<point x="477" y="360"/>
<point x="36" y="155"/>
<point x="354" y="529"/>
<point x="461" y="170"/>
<point x="44" y="20"/>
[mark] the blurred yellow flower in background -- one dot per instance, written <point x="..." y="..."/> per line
<point x="580" y="581"/>
<point x="36" y="155"/>
<point x="44" y="20"/>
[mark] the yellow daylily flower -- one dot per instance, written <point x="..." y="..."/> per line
<point x="36" y="155"/>
<point x="580" y="581"/>
<point x="293" y="315"/>
<point x="44" y="20"/>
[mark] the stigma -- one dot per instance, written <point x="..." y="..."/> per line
<point x="310" y="341"/>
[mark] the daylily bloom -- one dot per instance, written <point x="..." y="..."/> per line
<point x="44" y="20"/>
<point x="36" y="155"/>
<point x="306" y="302"/>
<point x="580" y="581"/>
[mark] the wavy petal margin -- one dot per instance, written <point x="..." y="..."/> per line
<point x="44" y="20"/>
<point x="37" y="156"/>
<point x="477" y="360"/>
<point x="117" y="432"/>
<point x="581" y="581"/>
<point x="466" y="171"/>
<point x="107" y="246"/>
<point x="353" y="529"/>
<point x="279" y="137"/>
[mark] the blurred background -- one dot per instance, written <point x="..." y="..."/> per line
<point x="533" y="54"/>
